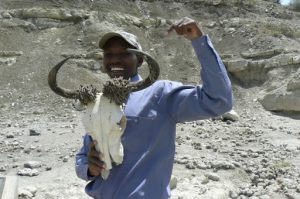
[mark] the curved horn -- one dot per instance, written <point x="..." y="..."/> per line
<point x="53" y="83"/>
<point x="153" y="71"/>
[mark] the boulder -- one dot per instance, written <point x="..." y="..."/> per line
<point x="281" y="101"/>
<point x="236" y="65"/>
<point x="286" y="98"/>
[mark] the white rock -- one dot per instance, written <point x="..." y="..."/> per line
<point x="25" y="194"/>
<point x="281" y="101"/>
<point x="28" y="172"/>
<point x="212" y="176"/>
<point x="231" y="115"/>
<point x="7" y="61"/>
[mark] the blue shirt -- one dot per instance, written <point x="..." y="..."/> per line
<point x="149" y="137"/>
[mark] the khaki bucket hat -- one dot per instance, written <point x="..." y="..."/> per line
<point x="130" y="38"/>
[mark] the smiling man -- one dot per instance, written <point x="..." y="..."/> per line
<point x="152" y="115"/>
<point x="116" y="61"/>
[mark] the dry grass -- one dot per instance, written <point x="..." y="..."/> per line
<point x="277" y="30"/>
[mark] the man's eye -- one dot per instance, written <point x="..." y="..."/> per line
<point x="124" y="56"/>
<point x="127" y="54"/>
<point x="108" y="55"/>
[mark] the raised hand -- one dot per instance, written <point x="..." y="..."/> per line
<point x="186" y="27"/>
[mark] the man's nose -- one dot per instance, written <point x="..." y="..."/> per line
<point x="115" y="58"/>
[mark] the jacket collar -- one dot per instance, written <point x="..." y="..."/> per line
<point x="136" y="78"/>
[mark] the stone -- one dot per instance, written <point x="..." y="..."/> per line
<point x="2" y="168"/>
<point x="229" y="30"/>
<point x="216" y="2"/>
<point x="298" y="188"/>
<point x="205" y="180"/>
<point x="25" y="194"/>
<point x="212" y="176"/>
<point x="32" y="164"/>
<point x="222" y="165"/>
<point x="8" y="61"/>
<point x="280" y="100"/>
<point x="6" y="15"/>
<point x="296" y="59"/>
<point x="244" y="154"/>
<point x="28" y="172"/>
<point x="233" y="194"/>
<point x="231" y="115"/>
<point x="32" y="189"/>
<point x="236" y="65"/>
<point x="197" y="145"/>
<point x="211" y="24"/>
<point x="33" y="132"/>
<point x="201" y="165"/>
<point x="65" y="159"/>
<point x="190" y="165"/>
<point x="48" y="168"/>
<point x="10" y="135"/>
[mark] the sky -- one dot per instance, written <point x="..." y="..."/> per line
<point x="285" y="2"/>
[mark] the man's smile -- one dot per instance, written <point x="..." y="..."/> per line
<point x="116" y="69"/>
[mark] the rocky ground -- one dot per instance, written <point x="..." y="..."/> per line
<point x="253" y="153"/>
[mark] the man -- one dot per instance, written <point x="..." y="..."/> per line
<point x="152" y="114"/>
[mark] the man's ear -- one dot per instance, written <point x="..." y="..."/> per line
<point x="140" y="61"/>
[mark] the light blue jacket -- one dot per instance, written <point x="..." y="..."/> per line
<point x="149" y="137"/>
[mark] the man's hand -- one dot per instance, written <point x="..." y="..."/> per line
<point x="96" y="165"/>
<point x="186" y="27"/>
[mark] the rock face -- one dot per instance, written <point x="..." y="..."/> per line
<point x="57" y="14"/>
<point x="286" y="98"/>
<point x="256" y="67"/>
<point x="253" y="67"/>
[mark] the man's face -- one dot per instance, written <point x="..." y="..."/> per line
<point x="117" y="61"/>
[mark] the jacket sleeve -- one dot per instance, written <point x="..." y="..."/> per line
<point x="81" y="165"/>
<point x="213" y="98"/>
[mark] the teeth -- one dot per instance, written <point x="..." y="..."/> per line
<point x="117" y="69"/>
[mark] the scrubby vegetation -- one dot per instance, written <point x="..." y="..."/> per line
<point x="278" y="29"/>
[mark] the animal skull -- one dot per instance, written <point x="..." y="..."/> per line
<point x="104" y="118"/>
